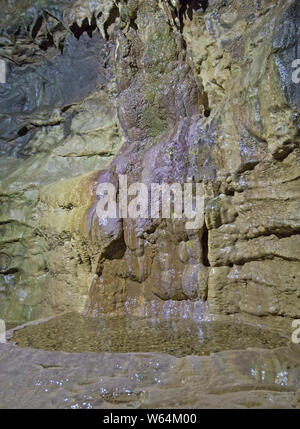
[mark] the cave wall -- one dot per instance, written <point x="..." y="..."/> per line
<point x="58" y="122"/>
<point x="164" y="92"/>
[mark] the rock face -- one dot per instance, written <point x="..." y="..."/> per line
<point x="163" y="92"/>
<point x="58" y="121"/>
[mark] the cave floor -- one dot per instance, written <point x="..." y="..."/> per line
<point x="127" y="363"/>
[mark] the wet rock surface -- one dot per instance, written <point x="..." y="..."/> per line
<point x="201" y="93"/>
<point x="56" y="123"/>
<point x="222" y="134"/>
<point x="253" y="378"/>
<point x="162" y="92"/>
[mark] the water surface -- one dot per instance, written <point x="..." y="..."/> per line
<point x="76" y="333"/>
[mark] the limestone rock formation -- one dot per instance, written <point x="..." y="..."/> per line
<point x="163" y="92"/>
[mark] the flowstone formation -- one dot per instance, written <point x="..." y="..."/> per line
<point x="163" y="92"/>
<point x="157" y="91"/>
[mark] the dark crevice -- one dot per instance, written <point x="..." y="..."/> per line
<point x="67" y="207"/>
<point x="18" y="31"/>
<point x="48" y="43"/>
<point x="284" y="151"/>
<point x="66" y="108"/>
<point x="204" y="101"/>
<point x="45" y="366"/>
<point x="132" y="23"/>
<point x="270" y="257"/>
<point x="229" y="192"/>
<point x="115" y="250"/>
<point x="189" y="7"/>
<point x="205" y="247"/>
<point x="86" y="27"/>
<point x="22" y="132"/>
<point x="248" y="166"/>
<point x="114" y="14"/>
<point x="37" y="26"/>
<point x="279" y="234"/>
<point x="10" y="271"/>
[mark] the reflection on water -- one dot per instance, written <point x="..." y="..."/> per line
<point x="75" y="333"/>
